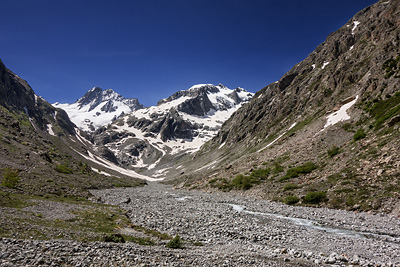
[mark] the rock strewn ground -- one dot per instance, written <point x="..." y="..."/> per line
<point x="211" y="220"/>
<point x="229" y="237"/>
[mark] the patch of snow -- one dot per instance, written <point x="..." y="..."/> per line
<point x="208" y="165"/>
<point x="313" y="66"/>
<point x="161" y="109"/>
<point x="112" y="166"/>
<point x="50" y="130"/>
<point x="260" y="96"/>
<point x="356" y="23"/>
<point x="196" y="86"/>
<point x="84" y="118"/>
<point x="351" y="47"/>
<point x="80" y="137"/>
<point x="101" y="172"/>
<point x="325" y="64"/>
<point x="221" y="145"/>
<point x="38" y="97"/>
<point x="340" y="115"/>
<point x="29" y="118"/>
<point x="160" y="172"/>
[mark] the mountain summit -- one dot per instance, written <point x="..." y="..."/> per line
<point x="99" y="107"/>
<point x="200" y="99"/>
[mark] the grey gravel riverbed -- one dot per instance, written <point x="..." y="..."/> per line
<point x="234" y="230"/>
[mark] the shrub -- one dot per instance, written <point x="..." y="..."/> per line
<point x="63" y="168"/>
<point x="114" y="238"/>
<point x="224" y="185"/>
<point x="176" y="242"/>
<point x="288" y="187"/>
<point x="212" y="181"/>
<point x="383" y="110"/>
<point x="296" y="171"/>
<point x="278" y="168"/>
<point x="360" y="134"/>
<point x="347" y="127"/>
<point x="315" y="197"/>
<point x="260" y="173"/>
<point x="85" y="168"/>
<point x="242" y="182"/>
<point x="291" y="200"/>
<point x="10" y="178"/>
<point x="333" y="151"/>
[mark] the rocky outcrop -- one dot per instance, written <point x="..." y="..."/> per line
<point x="106" y="153"/>
<point x="173" y="127"/>
<point x="198" y="102"/>
<point x="199" y="105"/>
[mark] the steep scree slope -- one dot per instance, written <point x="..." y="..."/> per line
<point x="281" y="144"/>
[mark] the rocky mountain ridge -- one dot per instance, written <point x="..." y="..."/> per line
<point x="352" y="160"/>
<point x="179" y="124"/>
<point x="41" y="150"/>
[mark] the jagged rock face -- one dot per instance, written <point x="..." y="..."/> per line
<point x="198" y="102"/>
<point x="193" y="92"/>
<point x="92" y="98"/>
<point x="174" y="127"/>
<point x="98" y="96"/>
<point x="14" y="92"/>
<point x="348" y="63"/>
<point x="16" y="95"/>
<point x="200" y="105"/>
<point x="106" y="153"/>
<point x="99" y="107"/>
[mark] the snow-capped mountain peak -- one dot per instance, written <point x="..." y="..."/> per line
<point x="181" y="123"/>
<point x="99" y="107"/>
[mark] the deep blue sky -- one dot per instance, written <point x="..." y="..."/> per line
<point x="149" y="49"/>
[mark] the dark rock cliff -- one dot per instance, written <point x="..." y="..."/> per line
<point x="16" y="95"/>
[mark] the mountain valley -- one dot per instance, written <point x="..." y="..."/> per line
<point x="305" y="172"/>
